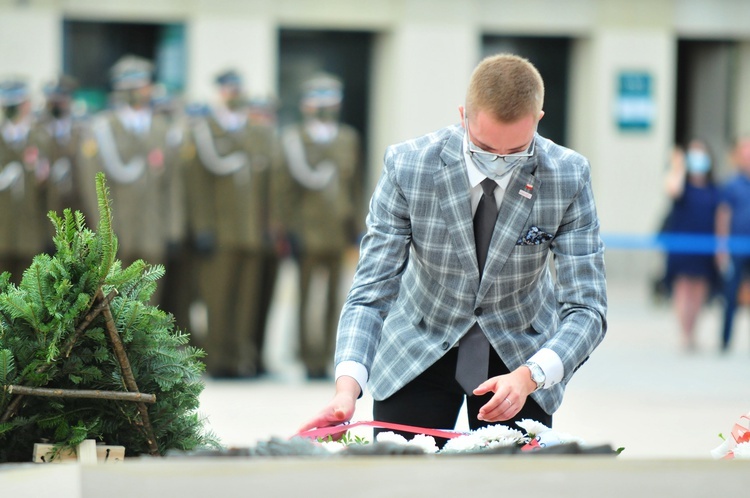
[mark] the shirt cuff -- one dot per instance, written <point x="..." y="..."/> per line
<point x="355" y="370"/>
<point x="551" y="365"/>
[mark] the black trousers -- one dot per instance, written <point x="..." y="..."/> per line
<point x="434" y="399"/>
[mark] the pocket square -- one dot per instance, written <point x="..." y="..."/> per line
<point x="533" y="237"/>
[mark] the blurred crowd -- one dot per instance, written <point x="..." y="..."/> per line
<point x="215" y="193"/>
<point x="707" y="233"/>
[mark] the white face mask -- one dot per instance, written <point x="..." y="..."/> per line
<point x="495" y="166"/>
<point x="698" y="162"/>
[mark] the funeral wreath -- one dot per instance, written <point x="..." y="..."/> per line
<point x="83" y="355"/>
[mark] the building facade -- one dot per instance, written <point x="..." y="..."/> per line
<point x="638" y="75"/>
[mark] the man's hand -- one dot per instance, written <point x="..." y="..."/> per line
<point x="340" y="409"/>
<point x="511" y="391"/>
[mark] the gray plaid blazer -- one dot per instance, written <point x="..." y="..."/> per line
<point x="417" y="290"/>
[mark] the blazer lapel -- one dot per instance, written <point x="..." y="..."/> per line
<point x="517" y="202"/>
<point x="454" y="198"/>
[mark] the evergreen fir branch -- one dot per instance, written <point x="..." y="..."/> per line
<point x="7" y="366"/>
<point x="106" y="234"/>
<point x="4" y="281"/>
<point x="125" y="278"/>
<point x="53" y="328"/>
<point x="6" y="427"/>
<point x="7" y="371"/>
<point x="59" y="223"/>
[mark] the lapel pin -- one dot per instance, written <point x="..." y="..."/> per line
<point x="529" y="187"/>
<point x="523" y="193"/>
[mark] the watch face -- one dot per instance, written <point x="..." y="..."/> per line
<point x="537" y="375"/>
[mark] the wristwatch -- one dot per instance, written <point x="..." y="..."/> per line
<point x="537" y="374"/>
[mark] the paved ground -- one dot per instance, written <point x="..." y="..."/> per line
<point x="638" y="390"/>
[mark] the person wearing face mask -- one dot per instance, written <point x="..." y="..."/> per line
<point x="130" y="144"/>
<point x="233" y="219"/>
<point x="323" y="193"/>
<point x="23" y="170"/>
<point x="733" y="230"/>
<point x="691" y="277"/>
<point x="62" y="137"/>
<point x="453" y="297"/>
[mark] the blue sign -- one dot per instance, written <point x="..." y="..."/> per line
<point x="635" y="106"/>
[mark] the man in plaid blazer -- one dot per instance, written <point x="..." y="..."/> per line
<point x="418" y="289"/>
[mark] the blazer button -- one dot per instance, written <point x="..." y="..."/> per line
<point x="478" y="311"/>
<point x="445" y="345"/>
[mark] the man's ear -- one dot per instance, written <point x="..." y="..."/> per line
<point x="461" y="111"/>
<point x="541" y="115"/>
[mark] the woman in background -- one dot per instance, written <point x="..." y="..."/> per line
<point x="691" y="275"/>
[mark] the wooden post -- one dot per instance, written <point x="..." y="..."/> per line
<point x="81" y="393"/>
<point x="127" y="375"/>
<point x="103" y="302"/>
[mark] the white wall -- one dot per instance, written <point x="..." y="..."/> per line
<point x="30" y="45"/>
<point x="219" y="42"/>
<point x="424" y="53"/>
<point x="742" y="91"/>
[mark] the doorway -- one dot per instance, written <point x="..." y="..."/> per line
<point x="90" y="49"/>
<point x="703" y="106"/>
<point x="345" y="54"/>
<point x="551" y="56"/>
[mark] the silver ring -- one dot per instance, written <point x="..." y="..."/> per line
<point x="510" y="403"/>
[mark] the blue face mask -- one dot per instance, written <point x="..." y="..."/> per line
<point x="495" y="166"/>
<point x="697" y="162"/>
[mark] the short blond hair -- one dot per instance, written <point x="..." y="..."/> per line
<point x="507" y="86"/>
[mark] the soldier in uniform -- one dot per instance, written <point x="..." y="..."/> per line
<point x="22" y="172"/>
<point x="129" y="144"/>
<point x="231" y="192"/>
<point x="61" y="136"/>
<point x="179" y="283"/>
<point x="322" y="202"/>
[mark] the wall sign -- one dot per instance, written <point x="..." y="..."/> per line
<point x="635" y="106"/>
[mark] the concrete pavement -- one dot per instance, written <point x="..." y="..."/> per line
<point x="638" y="390"/>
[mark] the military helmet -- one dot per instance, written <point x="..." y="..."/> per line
<point x="13" y="91"/>
<point x="322" y="90"/>
<point x="229" y="77"/>
<point x="131" y="72"/>
<point x="61" y="87"/>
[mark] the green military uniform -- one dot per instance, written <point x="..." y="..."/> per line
<point x="61" y="138"/>
<point x="22" y="171"/>
<point x="180" y="282"/>
<point x="322" y="210"/>
<point x="231" y="194"/>
<point x="129" y="144"/>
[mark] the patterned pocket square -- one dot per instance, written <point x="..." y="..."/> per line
<point x="533" y="237"/>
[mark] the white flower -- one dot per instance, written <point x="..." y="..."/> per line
<point x="532" y="427"/>
<point x="390" y="437"/>
<point x="721" y="451"/>
<point x="460" y="444"/>
<point x="333" y="446"/>
<point x="501" y="443"/>
<point x="566" y="438"/>
<point x="501" y="434"/>
<point x="427" y="443"/>
<point x="742" y="450"/>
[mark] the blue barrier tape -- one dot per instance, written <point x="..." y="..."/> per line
<point x="686" y="243"/>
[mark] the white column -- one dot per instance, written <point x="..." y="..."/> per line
<point x="741" y="113"/>
<point x="628" y="166"/>
<point x="30" y="45"/>
<point x="421" y="71"/>
<point x="244" y="43"/>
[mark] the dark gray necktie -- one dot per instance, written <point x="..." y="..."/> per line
<point x="474" y="348"/>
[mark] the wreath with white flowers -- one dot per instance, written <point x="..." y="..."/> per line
<point x="534" y="435"/>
